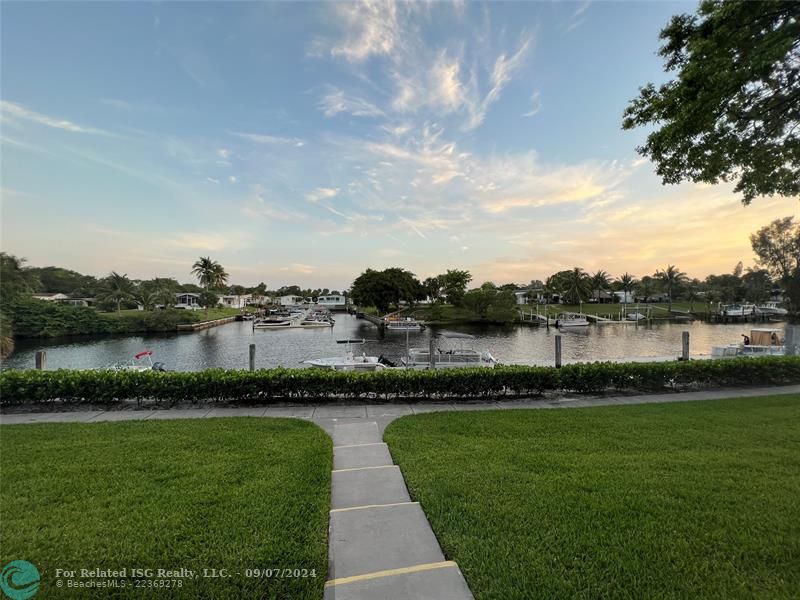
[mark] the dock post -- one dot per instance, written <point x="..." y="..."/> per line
<point x="252" y="357"/>
<point x="40" y="359"/>
<point x="431" y="355"/>
<point x="685" y="345"/>
<point x="558" y="351"/>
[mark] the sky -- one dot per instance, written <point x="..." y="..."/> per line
<point x="304" y="142"/>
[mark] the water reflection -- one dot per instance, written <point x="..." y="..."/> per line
<point x="227" y="346"/>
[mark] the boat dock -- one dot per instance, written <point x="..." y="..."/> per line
<point x="205" y="324"/>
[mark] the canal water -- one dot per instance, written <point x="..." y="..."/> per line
<point x="227" y="346"/>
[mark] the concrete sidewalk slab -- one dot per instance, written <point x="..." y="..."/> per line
<point x="238" y="412"/>
<point x="123" y="415"/>
<point x="299" y="412"/>
<point x="389" y="410"/>
<point x="348" y="434"/>
<point x="377" y="539"/>
<point x="441" y="583"/>
<point x="179" y="413"/>
<point x="340" y="412"/>
<point x="368" y="486"/>
<point x="354" y="457"/>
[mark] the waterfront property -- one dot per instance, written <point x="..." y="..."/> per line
<point x="694" y="499"/>
<point x="333" y="302"/>
<point x="233" y="494"/>
<point x="187" y="300"/>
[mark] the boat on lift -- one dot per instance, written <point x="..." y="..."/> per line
<point x="571" y="320"/>
<point x="760" y="342"/>
<point x="448" y="357"/>
<point x="407" y="324"/>
<point x="351" y="361"/>
<point x="771" y="309"/>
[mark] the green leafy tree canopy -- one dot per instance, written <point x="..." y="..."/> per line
<point x="733" y="109"/>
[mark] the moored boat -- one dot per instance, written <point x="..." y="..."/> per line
<point x="771" y="309"/>
<point x="448" y="358"/>
<point x="407" y="324"/>
<point x="760" y="342"/>
<point x="571" y="320"/>
<point x="351" y="361"/>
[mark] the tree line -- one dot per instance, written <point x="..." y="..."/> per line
<point x="777" y="269"/>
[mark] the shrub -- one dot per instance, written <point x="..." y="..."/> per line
<point x="271" y="385"/>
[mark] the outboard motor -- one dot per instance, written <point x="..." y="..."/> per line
<point x="385" y="361"/>
<point x="159" y="366"/>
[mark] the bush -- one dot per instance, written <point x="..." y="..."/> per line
<point x="271" y="385"/>
<point x="33" y="318"/>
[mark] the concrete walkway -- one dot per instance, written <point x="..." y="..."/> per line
<point x="380" y="544"/>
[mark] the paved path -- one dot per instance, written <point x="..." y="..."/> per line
<point x="380" y="544"/>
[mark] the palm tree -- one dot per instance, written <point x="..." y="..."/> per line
<point x="210" y="273"/>
<point x="117" y="288"/>
<point x="600" y="282"/>
<point x="671" y="277"/>
<point x="626" y="282"/>
<point x="577" y="285"/>
<point x="220" y="276"/>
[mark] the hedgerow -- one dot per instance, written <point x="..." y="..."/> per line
<point x="274" y="385"/>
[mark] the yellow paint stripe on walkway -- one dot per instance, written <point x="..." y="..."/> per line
<point x="336" y="510"/>
<point x="360" y="445"/>
<point x="365" y="468"/>
<point x="390" y="572"/>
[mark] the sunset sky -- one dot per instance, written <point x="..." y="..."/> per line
<point x="304" y="142"/>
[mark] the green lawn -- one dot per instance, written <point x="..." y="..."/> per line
<point x="234" y="494"/>
<point x="682" y="500"/>
<point x="219" y="312"/>
<point x="657" y="310"/>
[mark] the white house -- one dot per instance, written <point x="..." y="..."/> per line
<point x="291" y="300"/>
<point x="528" y="296"/>
<point x="624" y="297"/>
<point x="187" y="300"/>
<point x="51" y="297"/>
<point x="333" y="302"/>
<point x="235" y="301"/>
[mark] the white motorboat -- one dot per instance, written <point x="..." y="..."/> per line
<point x="350" y="361"/>
<point x="635" y="316"/>
<point x="571" y="320"/>
<point x="760" y="342"/>
<point x="771" y="309"/>
<point x="315" y="323"/>
<point x="448" y="358"/>
<point x="738" y="310"/>
<point x="407" y="324"/>
<point x="276" y="324"/>
<point x="143" y="361"/>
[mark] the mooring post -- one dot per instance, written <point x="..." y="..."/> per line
<point x="431" y="355"/>
<point x="558" y="351"/>
<point x="252" y="357"/>
<point x="41" y="360"/>
<point x="685" y="345"/>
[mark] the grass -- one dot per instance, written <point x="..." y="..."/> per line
<point x="219" y="312"/>
<point x="232" y="493"/>
<point x="658" y="310"/>
<point x="682" y="500"/>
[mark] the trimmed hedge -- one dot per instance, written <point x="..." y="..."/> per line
<point x="271" y="385"/>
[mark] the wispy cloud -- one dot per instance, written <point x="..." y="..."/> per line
<point x="298" y="268"/>
<point x="336" y="101"/>
<point x="260" y="138"/>
<point x="371" y="28"/>
<point x="321" y="194"/>
<point x="536" y="105"/>
<point x="14" y="111"/>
